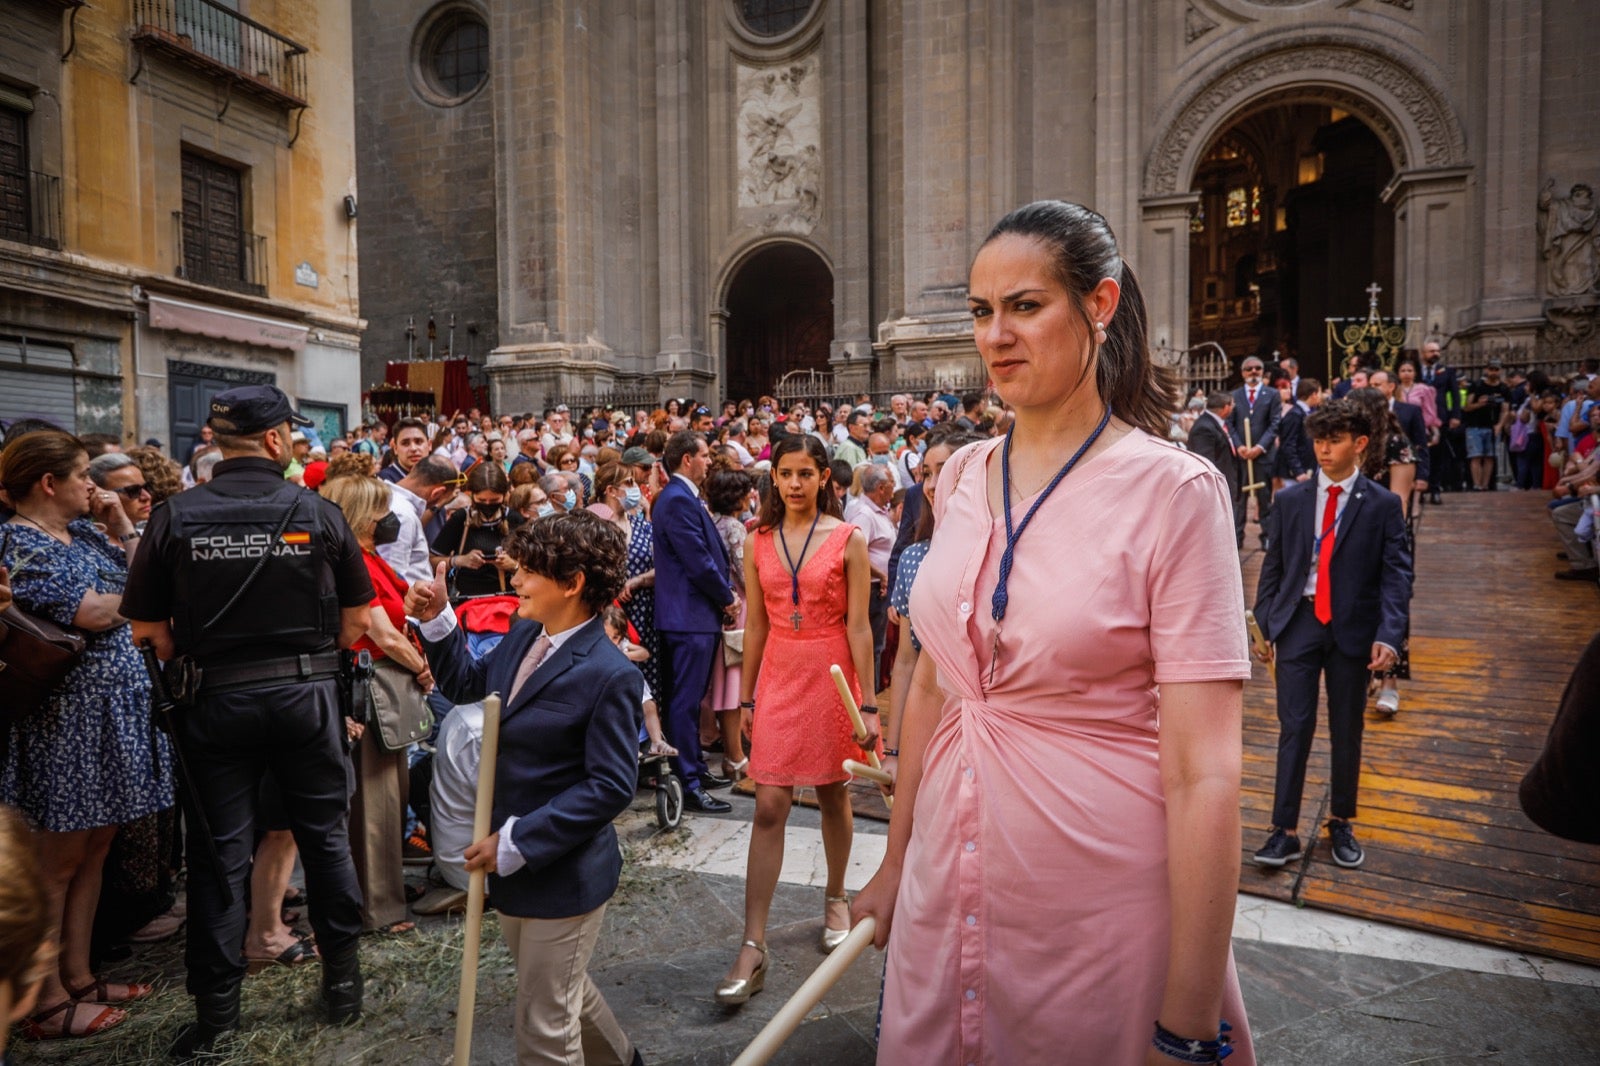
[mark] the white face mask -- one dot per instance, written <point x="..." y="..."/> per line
<point x="546" y="509"/>
<point x="880" y="460"/>
<point x="632" y="498"/>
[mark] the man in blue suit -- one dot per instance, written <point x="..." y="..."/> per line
<point x="1333" y="597"/>
<point x="567" y="766"/>
<point x="1296" y="460"/>
<point x="1409" y="415"/>
<point x="1443" y="457"/>
<point x="694" y="600"/>
<point x="1257" y="405"/>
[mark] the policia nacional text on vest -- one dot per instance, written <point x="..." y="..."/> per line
<point x="251" y="573"/>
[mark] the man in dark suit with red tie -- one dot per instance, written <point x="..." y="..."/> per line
<point x="1259" y="406"/>
<point x="1333" y="597"/>
<point x="1209" y="436"/>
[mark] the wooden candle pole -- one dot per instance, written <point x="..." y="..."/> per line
<point x="466" y="1005"/>
<point x="855" y="720"/>
<point x="792" y="1013"/>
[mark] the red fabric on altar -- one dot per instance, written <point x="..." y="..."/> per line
<point x="446" y="379"/>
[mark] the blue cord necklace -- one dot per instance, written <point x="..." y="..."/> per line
<point x="997" y="605"/>
<point x="794" y="571"/>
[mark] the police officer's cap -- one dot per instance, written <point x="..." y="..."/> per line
<point x="252" y="409"/>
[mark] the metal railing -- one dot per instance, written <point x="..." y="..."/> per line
<point x="630" y="398"/>
<point x="35" y="217"/>
<point x="256" y="59"/>
<point x="209" y="258"/>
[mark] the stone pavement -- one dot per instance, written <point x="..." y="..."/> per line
<point x="1320" y="988"/>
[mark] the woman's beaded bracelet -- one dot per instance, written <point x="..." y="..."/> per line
<point x="747" y="705"/>
<point x="1176" y="1047"/>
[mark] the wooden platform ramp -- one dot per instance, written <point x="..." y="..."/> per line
<point x="1493" y="640"/>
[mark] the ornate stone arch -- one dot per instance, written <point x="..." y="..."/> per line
<point x="1389" y="91"/>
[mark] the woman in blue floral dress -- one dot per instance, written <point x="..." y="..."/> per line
<point x="639" y="594"/>
<point x="89" y="760"/>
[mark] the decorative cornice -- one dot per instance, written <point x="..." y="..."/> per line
<point x="1324" y="67"/>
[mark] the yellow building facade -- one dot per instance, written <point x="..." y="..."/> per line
<point x="177" y="211"/>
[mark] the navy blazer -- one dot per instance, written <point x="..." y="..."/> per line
<point x="692" y="585"/>
<point x="1409" y="415"/>
<point x="567" y="764"/>
<point x="1370" y="572"/>
<point x="1207" y="438"/>
<point x="1263" y="418"/>
<point x="1295" y="454"/>
<point x="1445" y="396"/>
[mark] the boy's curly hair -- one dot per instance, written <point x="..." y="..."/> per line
<point x="562" y="546"/>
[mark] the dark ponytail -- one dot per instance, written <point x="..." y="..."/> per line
<point x="1083" y="250"/>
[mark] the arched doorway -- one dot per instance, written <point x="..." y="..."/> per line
<point x="779" y="319"/>
<point x="1289" y="229"/>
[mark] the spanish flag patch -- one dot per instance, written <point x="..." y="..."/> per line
<point x="297" y="538"/>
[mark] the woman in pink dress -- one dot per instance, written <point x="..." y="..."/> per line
<point x="1064" y="853"/>
<point x="809" y="581"/>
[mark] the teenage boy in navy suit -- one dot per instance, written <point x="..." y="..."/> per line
<point x="567" y="766"/>
<point x="1333" y="597"/>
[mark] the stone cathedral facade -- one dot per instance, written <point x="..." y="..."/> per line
<point x="707" y="195"/>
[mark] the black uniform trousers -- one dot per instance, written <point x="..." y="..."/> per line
<point x="231" y="739"/>
<point x="1305" y="652"/>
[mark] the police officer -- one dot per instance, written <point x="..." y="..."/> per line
<point x="250" y="585"/>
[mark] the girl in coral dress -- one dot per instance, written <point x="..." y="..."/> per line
<point x="809" y="584"/>
<point x="1064" y="853"/>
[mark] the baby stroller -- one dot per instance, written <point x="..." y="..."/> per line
<point x="656" y="772"/>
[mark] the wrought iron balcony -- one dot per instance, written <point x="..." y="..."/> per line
<point x="225" y="44"/>
<point x="30" y="208"/>
<point x="236" y="261"/>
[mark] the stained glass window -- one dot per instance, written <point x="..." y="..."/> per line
<point x="772" y="17"/>
<point x="1237" y="207"/>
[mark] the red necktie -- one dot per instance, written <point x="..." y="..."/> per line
<point x="1252" y="395"/>
<point x="1324" y="598"/>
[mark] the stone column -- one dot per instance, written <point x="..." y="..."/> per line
<point x="846" y="98"/>
<point x="1510" y="185"/>
<point x="683" y="359"/>
<point x="1430" y="272"/>
<point x="1163" y="270"/>
<point x="1119" y="113"/>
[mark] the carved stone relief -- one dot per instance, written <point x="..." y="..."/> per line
<point x="1569" y="243"/>
<point x="780" y="147"/>
<point x="1442" y="142"/>
<point x="1196" y="24"/>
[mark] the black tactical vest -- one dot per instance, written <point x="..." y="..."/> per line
<point x="220" y="542"/>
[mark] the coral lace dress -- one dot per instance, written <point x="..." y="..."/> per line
<point x="802" y="734"/>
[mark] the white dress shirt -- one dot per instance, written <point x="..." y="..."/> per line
<point x="408" y="553"/>
<point x="1316" y="518"/>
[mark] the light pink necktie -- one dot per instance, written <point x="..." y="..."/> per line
<point x="530" y="662"/>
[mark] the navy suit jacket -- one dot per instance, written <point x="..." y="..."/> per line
<point x="567" y="764"/>
<point x="1295" y="454"/>
<point x="1263" y="418"/>
<point x="692" y="584"/>
<point x="1209" y="439"/>
<point x="1369" y="575"/>
<point x="1409" y="415"/>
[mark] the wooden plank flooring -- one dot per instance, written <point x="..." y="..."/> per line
<point x="1493" y="639"/>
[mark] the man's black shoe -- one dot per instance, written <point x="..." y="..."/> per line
<point x="1589" y="573"/>
<point x="1281" y="847"/>
<point x="1346" y="852"/>
<point x="711" y="780"/>
<point x="342" y="985"/>
<point x="698" y="799"/>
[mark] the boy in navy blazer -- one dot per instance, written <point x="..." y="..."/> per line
<point x="1333" y="598"/>
<point x="567" y="766"/>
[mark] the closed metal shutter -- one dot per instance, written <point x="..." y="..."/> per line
<point x="28" y="388"/>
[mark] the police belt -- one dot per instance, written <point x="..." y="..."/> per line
<point x="317" y="666"/>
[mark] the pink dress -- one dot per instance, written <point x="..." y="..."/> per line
<point x="801" y="734"/>
<point x="1033" y="916"/>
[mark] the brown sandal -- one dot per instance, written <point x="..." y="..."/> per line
<point x="99" y="991"/>
<point x="105" y="1018"/>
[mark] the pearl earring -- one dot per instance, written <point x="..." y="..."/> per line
<point x="1099" y="332"/>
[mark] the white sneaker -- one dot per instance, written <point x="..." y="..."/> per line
<point x="1389" y="701"/>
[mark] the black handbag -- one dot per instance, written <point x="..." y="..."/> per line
<point x="36" y="655"/>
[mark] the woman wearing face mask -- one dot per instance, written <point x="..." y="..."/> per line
<point x="471" y="538"/>
<point x="617" y="488"/>
<point x="378" y="807"/>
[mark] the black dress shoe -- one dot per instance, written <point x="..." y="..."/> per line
<point x="1280" y="849"/>
<point x="1586" y="574"/>
<point x="711" y="780"/>
<point x="1342" y="839"/>
<point x="698" y="799"/>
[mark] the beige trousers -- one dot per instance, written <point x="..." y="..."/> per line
<point x="561" y="1016"/>
<point x="377" y="829"/>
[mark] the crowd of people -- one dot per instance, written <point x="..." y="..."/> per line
<point x="675" y="582"/>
